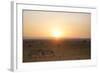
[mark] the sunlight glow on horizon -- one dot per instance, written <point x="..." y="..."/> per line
<point x="41" y="24"/>
<point x="56" y="34"/>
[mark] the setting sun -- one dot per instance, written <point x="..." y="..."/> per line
<point x="56" y="34"/>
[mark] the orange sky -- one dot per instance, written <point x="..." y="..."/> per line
<point x="42" y="24"/>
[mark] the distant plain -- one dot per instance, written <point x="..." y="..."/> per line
<point x="37" y="50"/>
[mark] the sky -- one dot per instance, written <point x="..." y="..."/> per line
<point x="50" y="24"/>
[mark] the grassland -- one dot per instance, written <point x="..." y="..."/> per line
<point x="37" y="50"/>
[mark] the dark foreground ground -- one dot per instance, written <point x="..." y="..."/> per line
<point x="37" y="50"/>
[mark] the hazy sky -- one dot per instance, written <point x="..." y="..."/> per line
<point x="42" y="24"/>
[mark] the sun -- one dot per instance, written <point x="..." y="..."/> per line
<point x="56" y="34"/>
